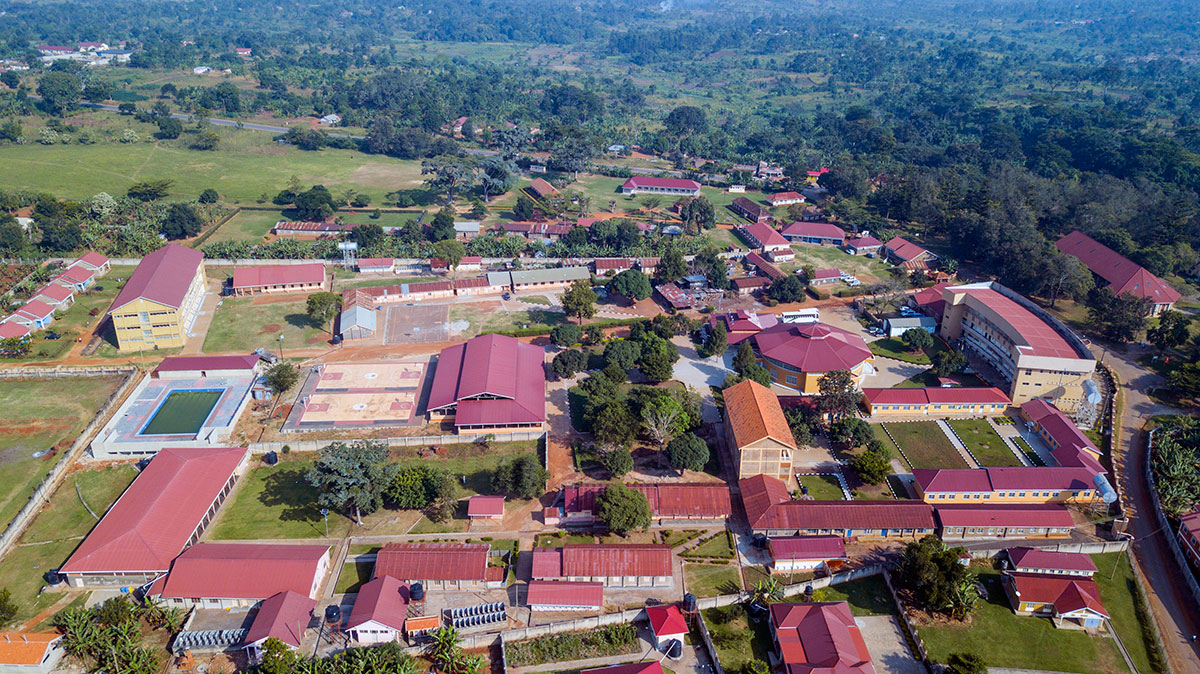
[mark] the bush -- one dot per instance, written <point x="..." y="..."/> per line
<point x="618" y="462"/>
<point x="566" y="335"/>
<point x="818" y="294"/>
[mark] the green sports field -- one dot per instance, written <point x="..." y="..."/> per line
<point x="182" y="412"/>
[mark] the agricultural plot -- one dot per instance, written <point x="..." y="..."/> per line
<point x="925" y="445"/>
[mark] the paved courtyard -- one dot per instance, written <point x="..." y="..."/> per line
<point x="416" y="324"/>
<point x="889" y="650"/>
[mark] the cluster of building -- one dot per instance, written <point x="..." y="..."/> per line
<point x="87" y="53"/>
<point x="37" y="313"/>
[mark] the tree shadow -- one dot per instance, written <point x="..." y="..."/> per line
<point x="302" y="321"/>
<point x="729" y="587"/>
<point x="287" y="490"/>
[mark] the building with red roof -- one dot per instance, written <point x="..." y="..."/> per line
<point x="1189" y="535"/>
<point x="97" y="263"/>
<point x="798" y="355"/>
<point x="904" y="252"/>
<point x="159" y="303"/>
<point x="380" y="609"/>
<point x="1068" y="444"/>
<point x="78" y="278"/>
<point x="757" y="432"/>
<point x="742" y="324"/>
<point x="490" y="384"/>
<point x="58" y="296"/>
<point x="446" y="566"/>
<point x="706" y="501"/>
<point x="1022" y="484"/>
<point x="806" y="553"/>
<point x="763" y="267"/>
<point x="819" y="638"/>
<point x="770" y="510"/>
<point x="564" y="596"/>
<point x="930" y="301"/>
<point x="647" y="667"/>
<point x="754" y="212"/>
<point x="666" y="623"/>
<point x="165" y="510"/>
<point x="863" y="245"/>
<point x="648" y="185"/>
<point x="271" y="279"/>
<point x="484" y="507"/>
<point x="11" y="329"/>
<point x="816" y="233"/>
<point x="206" y="366"/>
<point x="1034" y="354"/>
<point x="967" y="521"/>
<point x="746" y="285"/>
<point x="610" y="266"/>
<point x="1063" y="599"/>
<point x="34" y="314"/>
<point x="823" y="277"/>
<point x="785" y="199"/>
<point x="763" y="237"/>
<point x="540" y="189"/>
<point x="945" y="402"/>
<point x="1035" y="560"/>
<point x="240" y="575"/>
<point x="1120" y="274"/>
<point x="376" y="265"/>
<point x="283" y="616"/>
<point x="613" y="565"/>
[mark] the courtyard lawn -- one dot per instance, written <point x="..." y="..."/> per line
<point x="352" y="577"/>
<point x="710" y="580"/>
<point x="1029" y="453"/>
<point x="37" y="415"/>
<point x="500" y="320"/>
<point x="824" y="487"/>
<point x="241" y="325"/>
<point x="559" y="539"/>
<point x="719" y="546"/>
<point x="77" y="318"/>
<point x="1117" y="591"/>
<point x="928" y="379"/>
<point x="985" y="444"/>
<point x="893" y="347"/>
<point x="925" y="445"/>
<point x="866" y="596"/>
<point x="1005" y="639"/>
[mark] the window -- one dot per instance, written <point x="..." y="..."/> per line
<point x="791" y="379"/>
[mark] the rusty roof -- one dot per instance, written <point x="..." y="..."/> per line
<point x="753" y="414"/>
<point x="602" y="560"/>
<point x="432" y="561"/>
<point x="769" y="506"/>
<point x="564" y="593"/>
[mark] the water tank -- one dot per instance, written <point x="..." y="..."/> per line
<point x="759" y="540"/>
<point x="333" y="614"/>
<point x="1105" y="489"/>
<point x="689" y="602"/>
<point x="675" y="650"/>
<point x="803" y="490"/>
<point x="271" y="458"/>
<point x="416" y="592"/>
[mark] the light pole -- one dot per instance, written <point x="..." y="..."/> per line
<point x="325" y="514"/>
<point x="281" y="348"/>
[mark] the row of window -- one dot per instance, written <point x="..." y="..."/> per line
<point x="940" y="406"/>
<point x="1011" y="530"/>
<point x="1000" y="494"/>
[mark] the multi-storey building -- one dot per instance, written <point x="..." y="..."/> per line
<point x="161" y="300"/>
<point x="757" y="431"/>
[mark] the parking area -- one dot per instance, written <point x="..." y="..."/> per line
<point x="416" y="324"/>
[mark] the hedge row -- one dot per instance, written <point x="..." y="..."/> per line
<point x="545" y="332"/>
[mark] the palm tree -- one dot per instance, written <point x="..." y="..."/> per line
<point x="766" y="591"/>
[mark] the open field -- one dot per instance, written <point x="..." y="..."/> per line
<point x="1116" y="582"/>
<point x="247" y="226"/>
<point x="244" y="325"/>
<point x="353" y="575"/>
<point x="925" y="445"/>
<point x="985" y="444"/>
<point x="823" y="487"/>
<point x="37" y="415"/>
<point x="77" y="317"/>
<point x="710" y="580"/>
<point x="824" y="257"/>
<point x="500" y="320"/>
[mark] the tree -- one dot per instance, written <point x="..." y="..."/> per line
<point x="180" y="222"/>
<point x="966" y="663"/>
<point x="278" y="657"/>
<point x="850" y="432"/>
<point x="1171" y="331"/>
<point x="917" y="339"/>
<point x="10" y="79"/>
<point x="934" y="576"/>
<point x="323" y="306"/>
<point x="523" y="476"/>
<point x="569" y="363"/>
<point x="62" y="237"/>
<point x="623" y="353"/>
<point x="450" y="250"/>
<point x="744" y="357"/>
<point x="59" y="91"/>
<point x="1185" y="379"/>
<point x="209" y="196"/>
<point x="206" y="140"/>
<point x="169" y="127"/>
<point x="572" y="154"/>
<point x="1065" y="275"/>
<point x="443" y="225"/>
<point x="948" y="363"/>
<point x="419" y="486"/>
<point x="623" y="509"/>
<point x="632" y="284"/>
<point x="872" y="467"/>
<point x="615" y="424"/>
<point x="787" y="289"/>
<point x="839" y="393"/>
<point x="315" y="203"/>
<point x="523" y="210"/>
<point x="657" y="361"/>
<point x="580" y="300"/>
<point x="1118" y="318"/>
<point x="697" y="214"/>
<point x="281" y="377"/>
<point x="495" y="177"/>
<point x="663" y="418"/>
<point x="948" y="265"/>
<point x="566" y="335"/>
<point x="671" y="266"/>
<point x="8" y="608"/>
<point x="351" y="477"/>
<point x="150" y="190"/>
<point x="617" y="461"/>
<point x="448" y="174"/>
<point x="688" y="452"/>
<point x="685" y="120"/>
<point x="716" y="341"/>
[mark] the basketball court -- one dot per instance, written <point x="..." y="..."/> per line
<point x="360" y="409"/>
<point x="361" y="394"/>
<point x="416" y="324"/>
<point x="366" y="377"/>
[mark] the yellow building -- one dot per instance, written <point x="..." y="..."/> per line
<point x="1025" y="484"/>
<point x="757" y="432"/>
<point x="798" y="355"/>
<point x="161" y="300"/>
<point x="950" y="402"/>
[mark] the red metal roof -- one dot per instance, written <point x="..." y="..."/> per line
<point x="649" y="667"/>
<point x="278" y="274"/>
<point x="765" y="234"/>
<point x="820" y="638"/>
<point x="493" y="379"/>
<point x="602" y="560"/>
<point x="77" y="274"/>
<point x="666" y="620"/>
<point x="477" y="282"/>
<point x="283" y="616"/>
<point x="864" y="242"/>
<point x="798" y="548"/>
<point x="1032" y="478"/>
<point x="470" y="259"/>
<point x="190" y="363"/>
<point x="9" y="329"/>
<point x="542" y="188"/>
<point x="785" y="196"/>
<point x="375" y="262"/>
<point x="1034" y="558"/>
<point x="824" y="230"/>
<point x="243" y="570"/>
<point x="321" y="227"/>
<point x="432" y="561"/>
<point x="694" y="499"/>
<point x="383" y="600"/>
<point x="768" y="505"/>
<point x="765" y="266"/>
<point x="1065" y="593"/>
<point x="35" y="309"/>
<point x="666" y="183"/>
<point x="935" y="395"/>
<point x="564" y="593"/>
<point x="483" y="506"/>
<point x="1190" y="522"/>
<point x="163" y="276"/>
<point x="1004" y="515"/>
<point x="1122" y="274"/>
<point x="93" y="258"/>
<point x="952" y="480"/>
<point x="812" y="347"/>
<point x="155" y="518"/>
<point x="1058" y="426"/>
<point x="56" y="292"/>
<point x="1042" y="338"/>
<point x="608" y="263"/>
<point x="826" y="274"/>
<point x="751" y="282"/>
<point x="904" y="249"/>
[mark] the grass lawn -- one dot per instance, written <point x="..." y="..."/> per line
<point x="737" y="640"/>
<point x="353" y="575"/>
<point x="823" y="487"/>
<point x="65" y="517"/>
<point x="535" y="299"/>
<point x="241" y="325"/>
<point x="36" y="415"/>
<point x="928" y="379"/>
<point x="503" y="321"/>
<point x="1117" y="594"/>
<point x="984" y="442"/>
<point x="1005" y="639"/>
<point x="673" y="537"/>
<point x="376" y="282"/>
<point x="1029" y="453"/>
<point x="557" y="540"/>
<point x="892" y="347"/>
<point x="925" y="445"/>
<point x="76" y="319"/>
<point x="720" y="546"/>
<point x="23" y="571"/>
<point x="710" y="580"/>
<point x="866" y="596"/>
<point x="250" y="226"/>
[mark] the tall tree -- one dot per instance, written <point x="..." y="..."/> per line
<point x="671" y="266"/>
<point x="1065" y="275"/>
<point x="839" y="393"/>
<point x="1118" y="318"/>
<point x="697" y="214"/>
<point x="450" y="250"/>
<point x="523" y="476"/>
<point x="663" y="418"/>
<point x="59" y="91"/>
<point x="448" y="174"/>
<point x="351" y="477"/>
<point x="688" y="452"/>
<point x="495" y="177"/>
<point x="580" y="300"/>
<point x="622" y="509"/>
<point x="632" y="284"/>
<point x="1171" y="331"/>
<point x="322" y="307"/>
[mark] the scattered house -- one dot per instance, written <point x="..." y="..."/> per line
<point x="35" y="652"/>
<point x="647" y="265"/>
<point x="611" y="266"/>
<point x="675" y="501"/>
<point x="764" y="239"/>
<point x="480" y="507"/>
<point x="161" y="299"/>
<point x="379" y="611"/>
<point x="537" y="231"/>
<point x="1034" y="560"/>
<point x="770" y="510"/>
<point x="242" y="51"/>
<point x="757" y="431"/>
<point x="35" y="314"/>
<point x="470" y="263"/>
<point x="200" y="70"/>
<point x="116" y="55"/>
<point x="240" y="575"/>
<point x="332" y="119"/>
<point x="1119" y="273"/>
<point x="930" y="301"/>
<point x="55" y="50"/>
<point x="1003" y="520"/>
<point x="274" y="279"/>
<point x="677" y="297"/>
<point x="863" y="245"/>
<point x="564" y="596"/>
<point x="806" y="553"/>
<point x="95" y="262"/>
<point x="441" y="566"/>
<point x="904" y="252"/>
<point x="165" y="510"/>
<point x="742" y="324"/>
<point x="465" y="230"/>
<point x="1068" y="444"/>
<point x="785" y="199"/>
<point x="763" y="267"/>
<point x="612" y="565"/>
<point x="817" y="233"/>
<point x="646" y="185"/>
<point x="1024" y="484"/>
<point x="798" y="355"/>
<point x="376" y="265"/>
<point x="896" y="326"/>
<point x="747" y="285"/>
<point x="540" y="189"/>
<point x="666" y="624"/>
<point x="824" y="277"/>
<point x="78" y="278"/>
<point x="283" y="616"/>
<point x="819" y="638"/>
<point x="813" y="176"/>
<point x="1037" y="355"/>
<point x="490" y="384"/>
<point x="11" y="329"/>
<point x="1067" y="601"/>
<point x="939" y="402"/>
<point x="750" y="210"/>
<point x="58" y="296"/>
<point x="1189" y="534"/>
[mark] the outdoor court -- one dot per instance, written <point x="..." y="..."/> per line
<point x="367" y="377"/>
<point x="416" y="324"/>
<point x="360" y="409"/>
<point x="362" y="394"/>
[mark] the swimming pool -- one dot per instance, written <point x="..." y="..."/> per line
<point x="182" y="412"/>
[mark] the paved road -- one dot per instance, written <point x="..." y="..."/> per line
<point x="1177" y="616"/>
